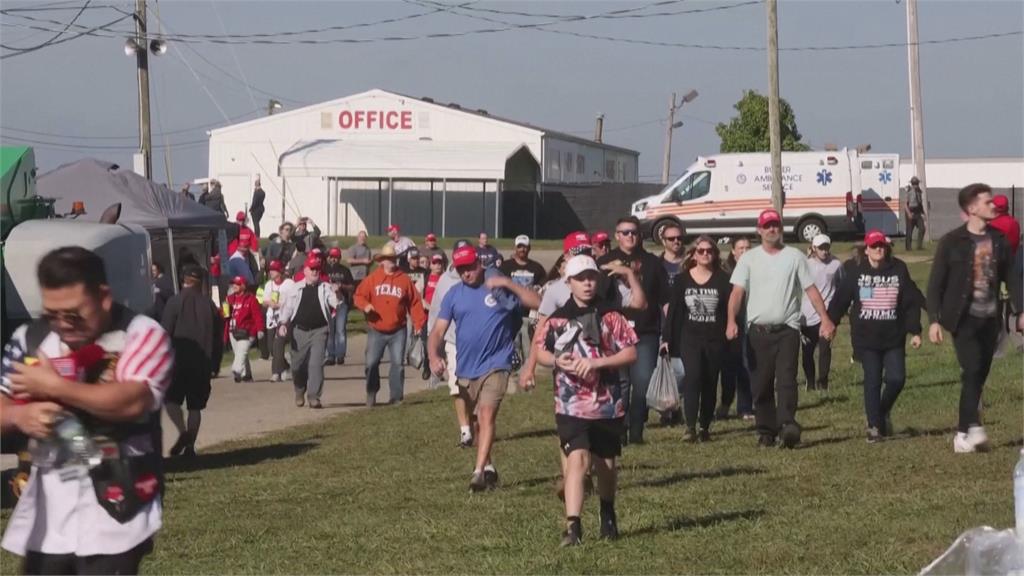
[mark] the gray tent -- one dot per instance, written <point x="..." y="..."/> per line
<point x="180" y="229"/>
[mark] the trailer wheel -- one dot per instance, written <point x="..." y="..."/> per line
<point x="807" y="229"/>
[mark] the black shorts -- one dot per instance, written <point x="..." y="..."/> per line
<point x="603" y="438"/>
<point x="190" y="385"/>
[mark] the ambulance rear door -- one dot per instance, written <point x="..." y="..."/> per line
<point x="880" y="192"/>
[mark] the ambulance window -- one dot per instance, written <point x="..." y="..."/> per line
<point x="677" y="193"/>
<point x="887" y="164"/>
<point x="700" y="185"/>
<point x="865" y="164"/>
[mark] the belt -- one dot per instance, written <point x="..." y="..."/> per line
<point x="769" y="328"/>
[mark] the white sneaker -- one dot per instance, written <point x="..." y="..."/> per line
<point x="961" y="445"/>
<point x="977" y="437"/>
<point x="286" y="376"/>
<point x="275" y="377"/>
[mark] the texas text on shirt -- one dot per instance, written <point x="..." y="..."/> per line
<point x="65" y="517"/>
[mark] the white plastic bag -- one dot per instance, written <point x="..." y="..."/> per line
<point x="662" y="394"/>
<point x="980" y="551"/>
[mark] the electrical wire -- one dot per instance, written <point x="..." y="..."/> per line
<point x="59" y="34"/>
<point x="68" y="146"/>
<point x="134" y="136"/>
<point x="88" y="32"/>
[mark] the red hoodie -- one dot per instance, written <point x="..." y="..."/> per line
<point x="1010" y="228"/>
<point x="246" y="314"/>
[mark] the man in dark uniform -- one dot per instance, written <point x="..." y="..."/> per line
<point x="256" y="208"/>
<point x="914" y="212"/>
<point x="189" y="320"/>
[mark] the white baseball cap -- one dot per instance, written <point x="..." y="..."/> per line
<point x="820" y="240"/>
<point x="522" y="240"/>
<point x="578" y="265"/>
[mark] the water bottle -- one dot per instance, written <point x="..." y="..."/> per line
<point x="1018" y="494"/>
<point x="69" y="445"/>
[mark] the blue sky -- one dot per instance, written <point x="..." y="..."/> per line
<point x="79" y="98"/>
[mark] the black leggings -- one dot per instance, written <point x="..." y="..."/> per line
<point x="702" y="362"/>
<point x="123" y="563"/>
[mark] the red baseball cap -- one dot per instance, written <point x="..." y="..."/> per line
<point x="336" y="252"/>
<point x="768" y="216"/>
<point x="276" y="266"/>
<point x="432" y="237"/>
<point x="437" y="258"/>
<point x="238" y="280"/>
<point x="240" y="217"/>
<point x="875" y="237"/>
<point x="599" y="237"/>
<point x="393" y="228"/>
<point x="464" y="256"/>
<point x="575" y="240"/>
<point x="1002" y="203"/>
<point x="312" y="262"/>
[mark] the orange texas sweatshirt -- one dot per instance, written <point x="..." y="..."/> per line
<point x="393" y="297"/>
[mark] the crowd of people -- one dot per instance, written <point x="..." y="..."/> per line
<point x="600" y="319"/>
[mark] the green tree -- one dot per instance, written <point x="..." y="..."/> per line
<point x="748" y="132"/>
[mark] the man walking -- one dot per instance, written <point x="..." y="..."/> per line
<point x="528" y="274"/>
<point x="484" y="312"/>
<point x="275" y="293"/>
<point x="238" y="263"/>
<point x="431" y="249"/>
<point x="59" y="525"/>
<point x="340" y="279"/>
<point x="488" y="255"/>
<point x="189" y="320"/>
<point x="914" y="212"/>
<point x="307" y="312"/>
<point x="401" y="244"/>
<point x="359" y="258"/>
<point x="256" y="207"/>
<point x="963" y="290"/>
<point x="387" y="297"/>
<point x="645" y="322"/>
<point x="827" y="272"/>
<point x="773" y="278"/>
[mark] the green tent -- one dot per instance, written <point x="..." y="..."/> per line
<point x="17" y="186"/>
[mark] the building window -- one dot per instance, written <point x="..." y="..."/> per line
<point x="568" y="163"/>
<point x="609" y="169"/>
<point x="579" y="164"/>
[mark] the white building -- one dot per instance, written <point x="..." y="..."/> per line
<point x="375" y="158"/>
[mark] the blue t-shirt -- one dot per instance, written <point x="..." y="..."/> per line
<point x="484" y="331"/>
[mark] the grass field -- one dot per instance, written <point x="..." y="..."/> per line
<point x="385" y="491"/>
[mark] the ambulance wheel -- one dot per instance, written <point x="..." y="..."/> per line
<point x="807" y="229"/>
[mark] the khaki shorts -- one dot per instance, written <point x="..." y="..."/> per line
<point x="453" y="380"/>
<point x="487" y="390"/>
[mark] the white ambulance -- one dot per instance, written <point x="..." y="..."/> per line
<point x="833" y="192"/>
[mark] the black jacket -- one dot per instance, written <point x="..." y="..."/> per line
<point x="653" y="280"/>
<point x="950" y="284"/>
<point x="886" y="305"/>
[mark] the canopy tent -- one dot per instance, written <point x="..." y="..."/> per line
<point x="172" y="220"/>
<point x="419" y="160"/>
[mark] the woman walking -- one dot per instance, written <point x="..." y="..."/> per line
<point x="695" y="332"/>
<point x="827" y="272"/>
<point x="884" y="305"/>
<point x="245" y="324"/>
<point x="735" y="376"/>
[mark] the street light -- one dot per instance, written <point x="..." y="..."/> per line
<point x="273" y="105"/>
<point x="672" y="125"/>
<point x="136" y="46"/>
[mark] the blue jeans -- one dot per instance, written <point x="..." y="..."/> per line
<point x="736" y="378"/>
<point x="888" y="366"/>
<point x="337" y="343"/>
<point x="634" y="393"/>
<point x="375" y="344"/>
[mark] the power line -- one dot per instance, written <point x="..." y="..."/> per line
<point x="59" y="34"/>
<point x="132" y="137"/>
<point x="70" y="146"/>
<point x="87" y="32"/>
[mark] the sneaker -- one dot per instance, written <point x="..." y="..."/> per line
<point x="247" y="378"/>
<point x="238" y="377"/>
<point x="465" y="439"/>
<point x="275" y="377"/>
<point x="609" y="526"/>
<point x="477" y="483"/>
<point x="977" y="437"/>
<point x="748" y="417"/>
<point x="874" y="435"/>
<point x="315" y="404"/>
<point x="180" y="445"/>
<point x="573" y="535"/>
<point x="189" y="451"/>
<point x="340" y="361"/>
<point x="329" y="362"/>
<point x="690" y="435"/>
<point x="790" y="435"/>
<point x="766" y="441"/>
<point x="300" y="398"/>
<point x="961" y="445"/>
<point x="491" y="478"/>
<point x="704" y="435"/>
<point x="287" y="375"/>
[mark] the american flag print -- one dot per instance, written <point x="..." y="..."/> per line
<point x="879" y="297"/>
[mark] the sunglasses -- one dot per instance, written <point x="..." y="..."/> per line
<point x="771" y="225"/>
<point x="672" y="238"/>
<point x="72" y="318"/>
<point x="878" y="245"/>
<point x="627" y="232"/>
<point x="703" y="251"/>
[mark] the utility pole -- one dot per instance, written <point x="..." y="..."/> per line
<point x="668" y="140"/>
<point x="774" y="125"/>
<point x="672" y="125"/>
<point x="142" y="63"/>
<point x="916" y="116"/>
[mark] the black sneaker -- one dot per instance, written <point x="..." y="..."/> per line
<point x="189" y="451"/>
<point x="247" y="378"/>
<point x="766" y="441"/>
<point x="573" y="535"/>
<point x="491" y="478"/>
<point x="609" y="526"/>
<point x="704" y="435"/>
<point x="477" y="483"/>
<point x="180" y="445"/>
<point x="790" y="435"/>
<point x="329" y="362"/>
<point x="238" y="377"/>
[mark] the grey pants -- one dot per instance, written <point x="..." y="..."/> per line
<point x="308" y="361"/>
